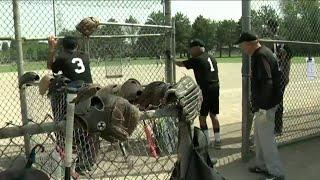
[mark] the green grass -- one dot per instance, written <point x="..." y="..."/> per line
<point x="42" y="65"/>
<point x="31" y="66"/>
<point x="28" y="66"/>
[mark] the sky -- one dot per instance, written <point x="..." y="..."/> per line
<point x="214" y="9"/>
<point x="37" y="16"/>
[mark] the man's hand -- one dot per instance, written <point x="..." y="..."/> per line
<point x="52" y="43"/>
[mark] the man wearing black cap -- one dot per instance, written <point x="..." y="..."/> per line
<point x="75" y="66"/>
<point x="206" y="73"/>
<point x="265" y="97"/>
<point x="73" y="63"/>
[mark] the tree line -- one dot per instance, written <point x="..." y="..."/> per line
<point x="299" y="21"/>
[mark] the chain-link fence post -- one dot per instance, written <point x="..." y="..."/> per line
<point x="69" y="134"/>
<point x="246" y="120"/>
<point x="169" y="63"/>
<point x="173" y="48"/>
<point x="19" y="60"/>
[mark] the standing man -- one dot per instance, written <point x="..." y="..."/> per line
<point x="265" y="97"/>
<point x="74" y="65"/>
<point x="284" y="55"/>
<point x="206" y="73"/>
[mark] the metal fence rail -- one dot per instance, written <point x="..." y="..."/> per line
<point x="131" y="158"/>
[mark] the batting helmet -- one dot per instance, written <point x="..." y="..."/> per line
<point x="131" y="90"/>
<point x="152" y="94"/>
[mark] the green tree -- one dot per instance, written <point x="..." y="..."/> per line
<point x="5" y="46"/>
<point x="227" y="33"/>
<point x="260" y="19"/>
<point x="152" y="46"/>
<point x="13" y="51"/>
<point x="131" y="30"/>
<point x="183" y="33"/>
<point x="35" y="51"/>
<point x="108" y="47"/>
<point x="205" y="29"/>
<point x="301" y="20"/>
<point x="66" y="32"/>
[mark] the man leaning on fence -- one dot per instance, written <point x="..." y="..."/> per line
<point x="265" y="97"/>
<point x="74" y="65"/>
<point x="205" y="70"/>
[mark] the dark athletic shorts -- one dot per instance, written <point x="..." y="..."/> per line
<point x="210" y="100"/>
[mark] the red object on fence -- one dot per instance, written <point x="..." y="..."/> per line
<point x="151" y="140"/>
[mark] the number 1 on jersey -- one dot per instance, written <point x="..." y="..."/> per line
<point x="211" y="65"/>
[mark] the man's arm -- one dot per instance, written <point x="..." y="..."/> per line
<point x="189" y="64"/>
<point x="51" y="59"/>
<point x="52" y="51"/>
<point x="179" y="63"/>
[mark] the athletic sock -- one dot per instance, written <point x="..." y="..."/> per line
<point x="217" y="137"/>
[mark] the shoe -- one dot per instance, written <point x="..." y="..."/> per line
<point x="273" y="177"/>
<point x="217" y="144"/>
<point x="258" y="170"/>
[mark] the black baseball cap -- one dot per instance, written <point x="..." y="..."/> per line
<point x="196" y="42"/>
<point x="247" y="36"/>
<point x="69" y="42"/>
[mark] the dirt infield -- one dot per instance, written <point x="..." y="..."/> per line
<point x="297" y="94"/>
<point x="299" y="101"/>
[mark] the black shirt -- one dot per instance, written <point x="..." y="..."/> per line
<point x="265" y="79"/>
<point x="205" y="69"/>
<point x="74" y="65"/>
<point x="284" y="55"/>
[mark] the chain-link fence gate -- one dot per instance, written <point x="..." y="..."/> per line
<point x="291" y="28"/>
<point x="130" y="44"/>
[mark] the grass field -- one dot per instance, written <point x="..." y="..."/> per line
<point x="41" y="65"/>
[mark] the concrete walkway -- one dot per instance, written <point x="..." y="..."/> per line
<point x="301" y="161"/>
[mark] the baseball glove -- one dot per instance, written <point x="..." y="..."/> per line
<point x="111" y="116"/>
<point x="152" y="95"/>
<point x="58" y="84"/>
<point x="187" y="94"/>
<point x="110" y="89"/>
<point x="88" y="25"/>
<point x="28" y="78"/>
<point x="86" y="92"/>
<point x="44" y="84"/>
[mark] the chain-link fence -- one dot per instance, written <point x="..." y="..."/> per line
<point x="291" y="29"/>
<point x="130" y="44"/>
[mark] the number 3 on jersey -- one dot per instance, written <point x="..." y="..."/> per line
<point x="80" y="65"/>
<point x="211" y="65"/>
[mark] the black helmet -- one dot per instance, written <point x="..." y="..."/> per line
<point x="131" y="90"/>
